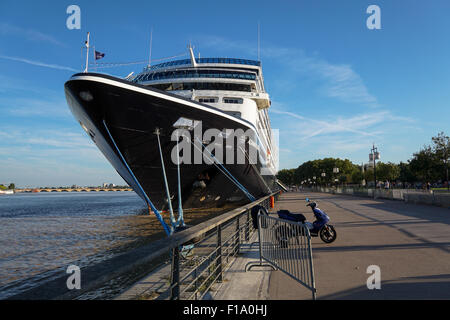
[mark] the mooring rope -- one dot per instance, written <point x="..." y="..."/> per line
<point x="222" y="169"/>
<point x="149" y="203"/>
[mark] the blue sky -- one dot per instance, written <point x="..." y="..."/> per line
<point x="336" y="86"/>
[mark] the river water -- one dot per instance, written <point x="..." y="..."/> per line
<point x="41" y="234"/>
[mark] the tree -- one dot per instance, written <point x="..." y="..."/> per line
<point x="342" y="178"/>
<point x="424" y="165"/>
<point x="388" y="171"/>
<point x="357" y="176"/>
<point x="442" y="148"/>
<point x="11" y="186"/>
<point x="315" y="168"/>
<point x="286" y="176"/>
<point x="368" y="174"/>
<point x="406" y="174"/>
<point x="430" y="164"/>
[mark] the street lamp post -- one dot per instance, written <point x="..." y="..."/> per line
<point x="335" y="171"/>
<point x="374" y="155"/>
<point x="446" y="171"/>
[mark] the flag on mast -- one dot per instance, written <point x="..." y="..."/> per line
<point x="99" y="55"/>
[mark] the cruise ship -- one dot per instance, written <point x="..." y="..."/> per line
<point x="132" y="121"/>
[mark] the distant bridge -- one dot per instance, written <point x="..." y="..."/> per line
<point x="34" y="190"/>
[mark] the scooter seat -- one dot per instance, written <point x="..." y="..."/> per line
<point x="287" y="215"/>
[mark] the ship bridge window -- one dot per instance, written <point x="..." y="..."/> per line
<point x="208" y="100"/>
<point x="233" y="100"/>
<point x="177" y="74"/>
<point x="202" y="86"/>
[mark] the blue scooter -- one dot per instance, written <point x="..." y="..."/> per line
<point x="320" y="227"/>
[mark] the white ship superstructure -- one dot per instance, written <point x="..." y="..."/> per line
<point x="235" y="86"/>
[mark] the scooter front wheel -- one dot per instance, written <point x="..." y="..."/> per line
<point x="328" y="233"/>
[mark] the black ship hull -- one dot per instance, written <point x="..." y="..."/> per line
<point x="121" y="117"/>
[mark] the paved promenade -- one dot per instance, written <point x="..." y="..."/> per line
<point x="410" y="243"/>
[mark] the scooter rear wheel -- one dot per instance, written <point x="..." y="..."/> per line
<point x="328" y="233"/>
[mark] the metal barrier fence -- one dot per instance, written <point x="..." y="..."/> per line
<point x="191" y="279"/>
<point x="286" y="245"/>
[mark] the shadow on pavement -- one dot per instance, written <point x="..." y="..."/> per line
<point x="410" y="288"/>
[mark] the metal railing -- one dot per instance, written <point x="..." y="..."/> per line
<point x="286" y="245"/>
<point x="193" y="277"/>
<point x="220" y="240"/>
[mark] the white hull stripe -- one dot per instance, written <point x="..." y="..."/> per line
<point x="164" y="96"/>
<point x="160" y="95"/>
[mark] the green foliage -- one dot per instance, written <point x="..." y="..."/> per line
<point x="2" y="187"/>
<point x="387" y="171"/>
<point x="441" y="146"/>
<point x="286" y="176"/>
<point x="357" y="176"/>
<point x="11" y="186"/>
<point x="406" y="174"/>
<point x="316" y="168"/>
<point x="427" y="165"/>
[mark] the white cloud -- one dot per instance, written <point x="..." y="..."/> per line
<point x="33" y="35"/>
<point x="339" y="81"/>
<point x="38" y="63"/>
<point x="46" y="137"/>
<point x="335" y="133"/>
<point x="355" y="124"/>
<point x="343" y="83"/>
<point x="25" y="107"/>
<point x="38" y="157"/>
<point x="302" y="138"/>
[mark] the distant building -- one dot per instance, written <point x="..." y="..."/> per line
<point x="108" y="185"/>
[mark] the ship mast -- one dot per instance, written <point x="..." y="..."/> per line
<point x="87" y="53"/>
<point x="150" y="53"/>
<point x="191" y="52"/>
